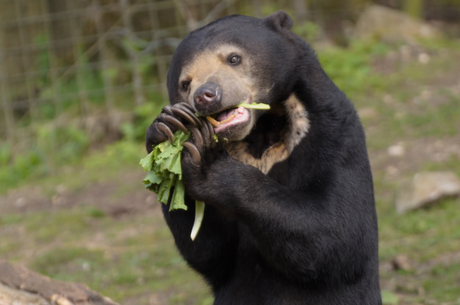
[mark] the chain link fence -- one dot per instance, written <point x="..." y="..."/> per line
<point x="88" y="61"/>
<point x="67" y="59"/>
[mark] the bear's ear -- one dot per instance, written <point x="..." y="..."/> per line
<point x="278" y="21"/>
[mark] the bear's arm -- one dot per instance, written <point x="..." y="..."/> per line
<point x="213" y="248"/>
<point x="302" y="234"/>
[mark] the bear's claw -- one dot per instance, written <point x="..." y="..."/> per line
<point x="186" y="108"/>
<point x="208" y="132"/>
<point x="196" y="156"/>
<point x="175" y="122"/>
<point x="181" y="113"/>
<point x="165" y="129"/>
<point x="196" y="135"/>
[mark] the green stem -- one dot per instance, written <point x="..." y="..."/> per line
<point x="255" y="106"/>
<point x="199" y="212"/>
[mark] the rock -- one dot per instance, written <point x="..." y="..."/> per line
<point x="367" y="112"/>
<point x="20" y="286"/>
<point x="392" y="170"/>
<point x="424" y="58"/>
<point x="396" y="150"/>
<point x="20" y="202"/>
<point x="426" y="188"/>
<point x="392" y="26"/>
<point x="401" y="262"/>
<point x="408" y="288"/>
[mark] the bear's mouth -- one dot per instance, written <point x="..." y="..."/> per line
<point x="228" y="118"/>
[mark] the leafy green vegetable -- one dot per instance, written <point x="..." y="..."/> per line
<point x="259" y="106"/>
<point x="199" y="213"/>
<point x="165" y="172"/>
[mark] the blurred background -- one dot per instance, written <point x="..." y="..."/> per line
<point x="80" y="81"/>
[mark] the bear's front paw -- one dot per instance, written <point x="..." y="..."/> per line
<point x="203" y="154"/>
<point x="170" y="119"/>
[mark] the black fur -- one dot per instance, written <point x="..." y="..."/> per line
<point x="305" y="233"/>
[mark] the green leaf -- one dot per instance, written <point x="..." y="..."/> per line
<point x="177" y="201"/>
<point x="154" y="188"/>
<point x="259" y="106"/>
<point x="170" y="164"/>
<point x="165" y="171"/>
<point x="165" y="188"/>
<point x="165" y="176"/>
<point x="152" y="178"/>
<point x="147" y="162"/>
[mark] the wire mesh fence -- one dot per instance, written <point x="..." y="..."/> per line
<point x="81" y="57"/>
<point x="67" y="59"/>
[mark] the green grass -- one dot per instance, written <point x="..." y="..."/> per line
<point x="114" y="263"/>
<point x="408" y="116"/>
<point x="421" y="233"/>
<point x="443" y="283"/>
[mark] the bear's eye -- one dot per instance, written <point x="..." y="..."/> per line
<point x="234" y="59"/>
<point x="184" y="85"/>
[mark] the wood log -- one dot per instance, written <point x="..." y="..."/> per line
<point x="20" y="286"/>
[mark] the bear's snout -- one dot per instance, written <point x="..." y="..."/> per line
<point x="207" y="94"/>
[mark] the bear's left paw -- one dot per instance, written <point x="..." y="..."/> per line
<point x="203" y="155"/>
<point x="201" y="145"/>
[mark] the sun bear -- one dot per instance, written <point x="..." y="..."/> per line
<point x="290" y="215"/>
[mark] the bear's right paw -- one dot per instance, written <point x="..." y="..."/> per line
<point x="201" y="146"/>
<point x="204" y="160"/>
<point x="170" y="119"/>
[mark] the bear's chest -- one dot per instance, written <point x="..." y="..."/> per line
<point x="273" y="139"/>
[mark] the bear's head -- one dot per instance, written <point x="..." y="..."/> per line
<point x="235" y="59"/>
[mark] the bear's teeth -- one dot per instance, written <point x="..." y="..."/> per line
<point x="213" y="121"/>
<point x="216" y="123"/>
<point x="229" y="118"/>
<point x="225" y="114"/>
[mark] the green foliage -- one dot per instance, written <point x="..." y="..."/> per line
<point x="144" y="116"/>
<point x="165" y="171"/>
<point x="59" y="260"/>
<point x="19" y="168"/>
<point x="5" y="154"/>
<point x="398" y="231"/>
<point x="350" y="68"/>
<point x="54" y="146"/>
<point x="61" y="145"/>
<point x="443" y="283"/>
<point x="11" y="219"/>
<point x="49" y="226"/>
<point x="389" y="298"/>
<point x="308" y="31"/>
<point x="95" y="212"/>
<point x="117" y="265"/>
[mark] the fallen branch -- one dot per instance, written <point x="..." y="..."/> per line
<point x="19" y="285"/>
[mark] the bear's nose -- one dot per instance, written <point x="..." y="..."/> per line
<point x="208" y="93"/>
